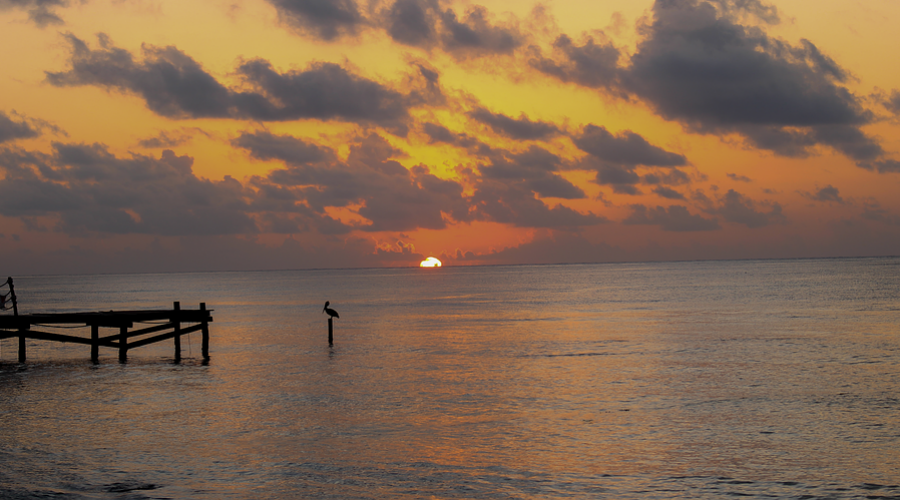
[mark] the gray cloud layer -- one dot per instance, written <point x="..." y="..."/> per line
<point x="11" y="130"/>
<point x="175" y="85"/>
<point x="40" y="12"/>
<point x="699" y="66"/>
<point x="90" y="189"/>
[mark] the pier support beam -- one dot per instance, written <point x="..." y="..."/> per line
<point x="123" y="344"/>
<point x="95" y="344"/>
<point x="205" y="331"/>
<point x="177" y="307"/>
<point x="330" y="331"/>
<point x="22" y="354"/>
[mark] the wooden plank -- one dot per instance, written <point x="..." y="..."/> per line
<point x="56" y="337"/>
<point x="165" y="336"/>
<point x="111" y="319"/>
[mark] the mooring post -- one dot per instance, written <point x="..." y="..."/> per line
<point x="95" y="344"/>
<point x="204" y="329"/>
<point x="175" y="319"/>
<point x="123" y="344"/>
<point x="330" y="331"/>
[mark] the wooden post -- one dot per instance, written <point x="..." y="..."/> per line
<point x="15" y="303"/>
<point x="123" y="344"/>
<point x="205" y="331"/>
<point x="175" y="319"/>
<point x="22" y="355"/>
<point x="95" y="344"/>
<point x="330" y="331"/>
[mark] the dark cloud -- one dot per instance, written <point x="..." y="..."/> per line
<point x="174" y="85"/>
<point x="590" y="65"/>
<point x="87" y="188"/>
<point x="514" y="203"/>
<point x="325" y="91"/>
<point x="615" y="157"/>
<point x="699" y="66"/>
<point x="626" y="149"/>
<point x="40" y="12"/>
<point x="325" y="19"/>
<point x="739" y="209"/>
<point x="389" y="196"/>
<point x="886" y="166"/>
<point x="892" y="103"/>
<point x="535" y="170"/>
<point x="476" y="34"/>
<point x="11" y="130"/>
<point x="827" y="194"/>
<point x="440" y="133"/>
<point x="739" y="178"/>
<point x="170" y="139"/>
<point x="674" y="218"/>
<point x="521" y="128"/>
<point x="170" y="82"/>
<point x="288" y="149"/>
<point x="668" y="193"/>
<point x="412" y="22"/>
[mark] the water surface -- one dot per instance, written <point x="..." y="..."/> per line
<point x="663" y="380"/>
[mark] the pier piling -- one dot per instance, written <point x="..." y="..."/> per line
<point x="204" y="329"/>
<point x="177" y="308"/>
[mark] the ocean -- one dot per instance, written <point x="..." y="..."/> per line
<point x="720" y="379"/>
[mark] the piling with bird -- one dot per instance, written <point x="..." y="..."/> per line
<point x="331" y="315"/>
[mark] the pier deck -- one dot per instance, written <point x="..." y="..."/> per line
<point x="152" y="326"/>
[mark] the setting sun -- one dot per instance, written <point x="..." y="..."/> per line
<point x="430" y="262"/>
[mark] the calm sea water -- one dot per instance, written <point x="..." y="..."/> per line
<point x="664" y="380"/>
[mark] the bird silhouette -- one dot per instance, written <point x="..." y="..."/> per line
<point x="331" y="312"/>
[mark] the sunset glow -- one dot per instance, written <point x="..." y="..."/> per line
<point x="270" y="134"/>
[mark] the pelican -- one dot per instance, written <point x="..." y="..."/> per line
<point x="331" y="312"/>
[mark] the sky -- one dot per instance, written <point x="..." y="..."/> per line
<point x="202" y="135"/>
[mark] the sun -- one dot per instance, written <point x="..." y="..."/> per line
<point x="430" y="262"/>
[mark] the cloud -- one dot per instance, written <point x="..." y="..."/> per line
<point x="892" y="103"/>
<point x="590" y="65"/>
<point x="390" y="197"/>
<point x="11" y="130"/>
<point x="87" y="188"/>
<point x="674" y="218"/>
<point x="615" y="157"/>
<point x="521" y="128"/>
<point x="626" y="149"/>
<point x="668" y="193"/>
<point x="739" y="209"/>
<point x="739" y="178"/>
<point x="170" y="139"/>
<point x="535" y="170"/>
<point x="40" y="12"/>
<point x="476" y="34"/>
<point x="515" y="203"/>
<point x="174" y="85"/>
<point x="827" y="194"/>
<point x="412" y="22"/>
<point x="699" y="66"/>
<point x="324" y="19"/>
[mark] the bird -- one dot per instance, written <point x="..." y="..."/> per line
<point x="331" y="312"/>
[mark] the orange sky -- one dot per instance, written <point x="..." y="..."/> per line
<point x="156" y="135"/>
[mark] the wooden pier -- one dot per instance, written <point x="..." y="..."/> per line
<point x="132" y="329"/>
